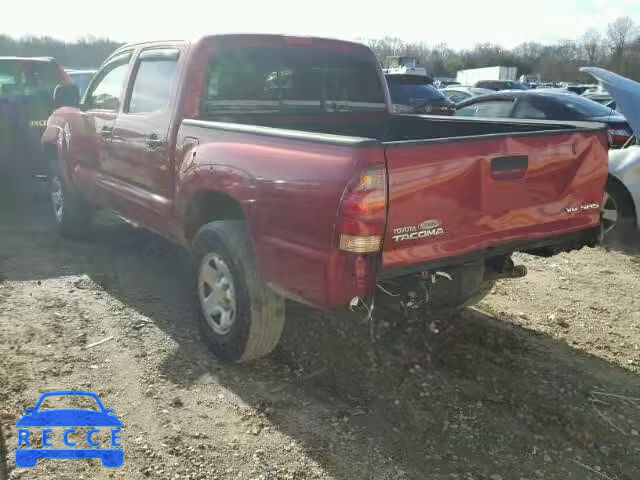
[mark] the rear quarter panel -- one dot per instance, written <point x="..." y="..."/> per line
<point x="289" y="190"/>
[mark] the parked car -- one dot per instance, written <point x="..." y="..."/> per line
<point x="415" y="94"/>
<point x="547" y="105"/>
<point x="622" y="200"/>
<point x="497" y="85"/>
<point x="459" y="94"/>
<point x="81" y="78"/>
<point x="315" y="191"/>
<point x="26" y="101"/>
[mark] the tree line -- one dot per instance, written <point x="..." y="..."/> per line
<point x="87" y="52"/>
<point x="617" y="48"/>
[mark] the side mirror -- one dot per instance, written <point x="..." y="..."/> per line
<point x="66" y="96"/>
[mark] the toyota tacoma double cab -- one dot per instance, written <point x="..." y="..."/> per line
<point x="277" y="161"/>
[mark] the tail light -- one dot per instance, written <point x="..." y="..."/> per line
<point x="363" y="211"/>
<point x="618" y="136"/>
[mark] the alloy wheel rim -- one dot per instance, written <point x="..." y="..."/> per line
<point x="217" y="294"/>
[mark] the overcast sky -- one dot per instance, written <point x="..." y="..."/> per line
<point x="459" y="23"/>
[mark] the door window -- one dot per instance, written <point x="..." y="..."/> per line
<point x="106" y="92"/>
<point x="153" y="82"/>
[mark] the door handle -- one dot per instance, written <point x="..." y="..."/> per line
<point x="153" y="141"/>
<point x="106" y="131"/>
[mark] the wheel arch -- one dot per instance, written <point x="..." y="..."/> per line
<point x="206" y="206"/>
<point x="631" y="201"/>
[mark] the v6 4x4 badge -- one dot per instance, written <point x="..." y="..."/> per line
<point x="427" y="229"/>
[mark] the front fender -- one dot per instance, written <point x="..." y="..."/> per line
<point x="56" y="137"/>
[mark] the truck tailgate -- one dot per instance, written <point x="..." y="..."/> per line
<point x="454" y="197"/>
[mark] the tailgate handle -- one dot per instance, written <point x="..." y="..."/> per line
<point x="509" y="168"/>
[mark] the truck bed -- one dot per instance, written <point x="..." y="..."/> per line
<point x="403" y="128"/>
<point x="456" y="186"/>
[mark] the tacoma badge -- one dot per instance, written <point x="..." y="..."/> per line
<point x="427" y="229"/>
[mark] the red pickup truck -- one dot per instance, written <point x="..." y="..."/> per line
<point x="276" y="160"/>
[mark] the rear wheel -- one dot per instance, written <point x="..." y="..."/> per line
<point x="241" y="318"/>
<point x="618" y="213"/>
<point x="71" y="212"/>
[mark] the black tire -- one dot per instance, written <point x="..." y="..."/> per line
<point x="625" y="226"/>
<point x="76" y="214"/>
<point x="259" y="312"/>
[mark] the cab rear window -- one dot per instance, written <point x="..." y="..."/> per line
<point x="290" y="80"/>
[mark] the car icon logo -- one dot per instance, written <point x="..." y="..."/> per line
<point x="103" y="428"/>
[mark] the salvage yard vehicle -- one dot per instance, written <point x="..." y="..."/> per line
<point x="277" y="162"/>
<point x="81" y="78"/>
<point x="547" y="105"/>
<point x="622" y="199"/>
<point x="26" y="101"/>
<point x="458" y="94"/>
<point x="415" y="94"/>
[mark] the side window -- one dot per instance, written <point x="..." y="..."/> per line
<point x="106" y="93"/>
<point x="153" y="81"/>
<point x="491" y="109"/>
<point x="527" y="110"/>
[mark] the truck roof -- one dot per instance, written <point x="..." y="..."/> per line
<point x="239" y="36"/>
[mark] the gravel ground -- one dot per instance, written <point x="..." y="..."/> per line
<point x="540" y="381"/>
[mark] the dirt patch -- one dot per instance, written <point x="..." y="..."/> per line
<point x="539" y="382"/>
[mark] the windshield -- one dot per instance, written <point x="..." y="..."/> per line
<point x="291" y="80"/>
<point x="18" y="76"/>
<point x="407" y="91"/>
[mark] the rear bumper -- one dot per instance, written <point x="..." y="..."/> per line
<point x="543" y="248"/>
<point x="348" y="276"/>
